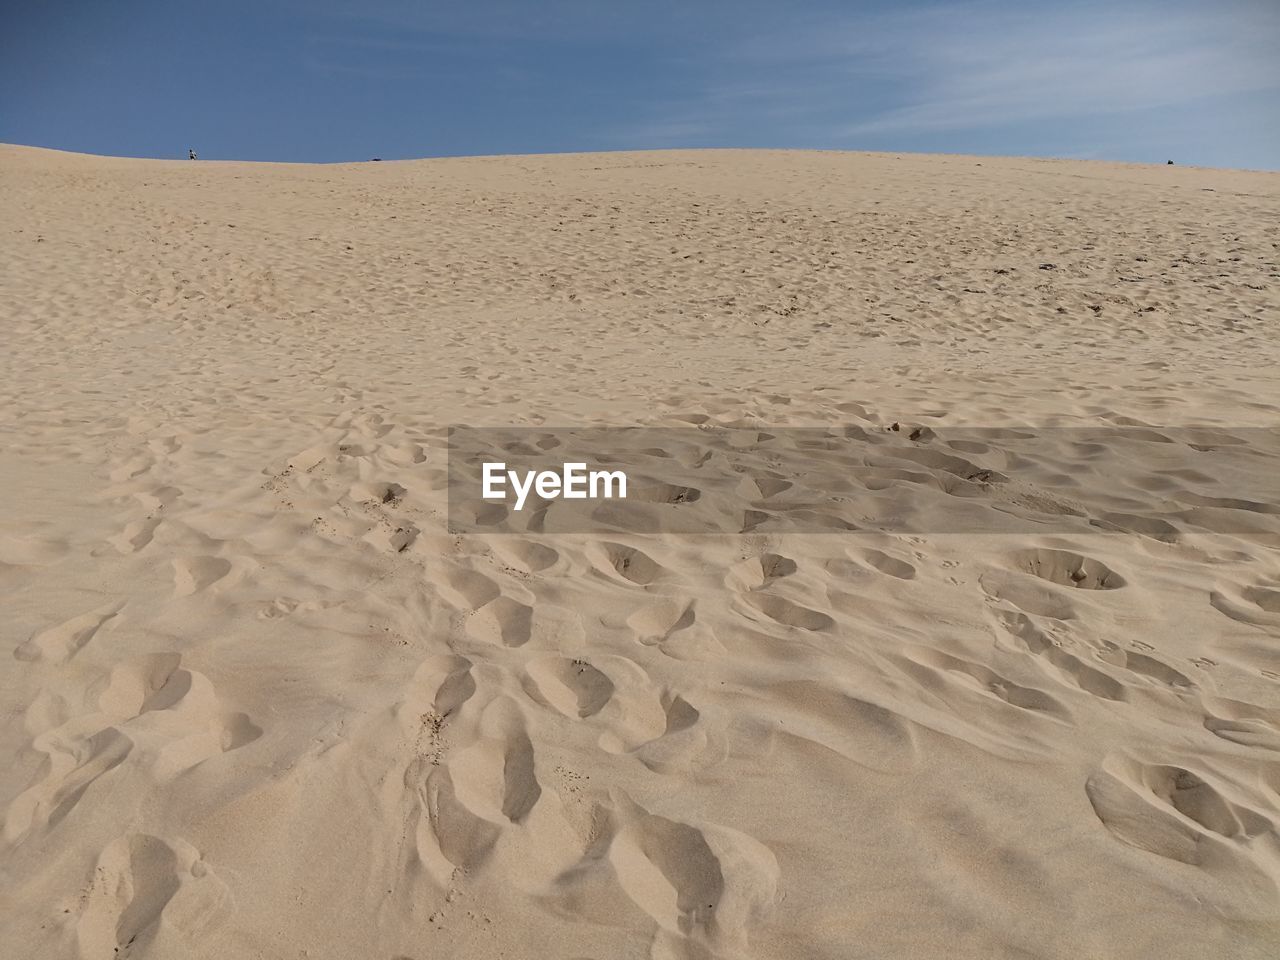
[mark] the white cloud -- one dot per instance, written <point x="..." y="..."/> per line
<point x="986" y="65"/>
<point x="821" y="77"/>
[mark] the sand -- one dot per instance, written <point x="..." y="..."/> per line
<point x="259" y="702"/>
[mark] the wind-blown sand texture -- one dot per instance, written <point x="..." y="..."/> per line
<point x="260" y="703"/>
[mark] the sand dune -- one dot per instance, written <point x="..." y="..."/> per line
<point x="261" y="702"/>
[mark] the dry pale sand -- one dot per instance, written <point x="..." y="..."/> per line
<point x="259" y="703"/>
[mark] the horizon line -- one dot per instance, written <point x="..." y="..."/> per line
<point x="1048" y="158"/>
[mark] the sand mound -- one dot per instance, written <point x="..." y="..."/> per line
<point x="260" y="702"/>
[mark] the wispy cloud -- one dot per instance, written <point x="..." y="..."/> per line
<point x="987" y="65"/>
<point x="911" y="70"/>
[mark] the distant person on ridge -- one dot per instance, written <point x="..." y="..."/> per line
<point x="191" y="155"/>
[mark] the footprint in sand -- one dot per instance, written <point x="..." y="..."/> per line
<point x="935" y="670"/>
<point x="440" y="686"/>
<point x="705" y="886"/>
<point x="757" y="572"/>
<point x="1254" y="605"/>
<point x="468" y="589"/>
<point x="1027" y="595"/>
<point x="135" y="536"/>
<point x="150" y="897"/>
<point x="1032" y="637"/>
<point x="502" y="620"/>
<point x="889" y="565"/>
<point x="172" y="715"/>
<point x="629" y="564"/>
<point x="687" y="740"/>
<point x="659" y="620"/>
<point x="527" y="556"/>
<point x="1242" y="723"/>
<point x="572" y="687"/>
<point x="784" y="612"/>
<point x="495" y="776"/>
<point x="672" y="625"/>
<point x="195" y="574"/>
<point x="1144" y="666"/>
<point x="58" y="644"/>
<point x="448" y="835"/>
<point x="1173" y="812"/>
<point x="74" y="764"/>
<point x="763" y="487"/>
<point x="1068" y="569"/>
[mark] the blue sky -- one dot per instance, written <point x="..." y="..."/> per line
<point x="1196" y="81"/>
